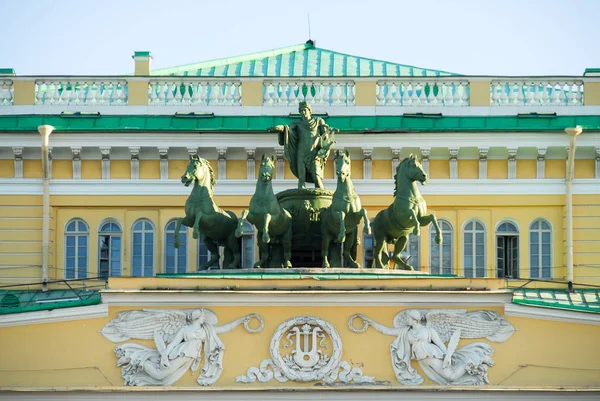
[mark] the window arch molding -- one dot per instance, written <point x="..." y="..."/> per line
<point x="175" y="260"/>
<point x="143" y="248"/>
<point x="507" y="220"/>
<point x="538" y="262"/>
<point x="476" y="268"/>
<point x="446" y="247"/>
<point x="76" y="248"/>
<point x="110" y="248"/>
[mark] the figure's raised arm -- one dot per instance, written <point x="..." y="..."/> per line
<point x="389" y="331"/>
<point x="277" y="128"/>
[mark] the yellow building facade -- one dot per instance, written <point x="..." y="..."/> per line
<point x="86" y="235"/>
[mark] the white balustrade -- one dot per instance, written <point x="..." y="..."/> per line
<point x="317" y="92"/>
<point x="6" y="92"/>
<point x="187" y="91"/>
<point x="443" y="91"/>
<point x="536" y="92"/>
<point x="81" y="91"/>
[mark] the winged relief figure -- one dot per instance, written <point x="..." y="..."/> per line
<point x="422" y="335"/>
<point x="181" y="337"/>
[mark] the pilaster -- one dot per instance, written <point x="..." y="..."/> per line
<point x="76" y="155"/>
<point x="250" y="163"/>
<point x="49" y="162"/>
<point x="541" y="163"/>
<point x="164" y="163"/>
<point x="395" y="159"/>
<point x="453" y="163"/>
<point x="367" y="163"/>
<point x="512" y="163"/>
<point x="134" y="154"/>
<point x="18" y="156"/>
<point x="597" y="163"/>
<point x="425" y="152"/>
<point x="280" y="163"/>
<point x="222" y="163"/>
<point x="483" y="152"/>
<point x="105" y="152"/>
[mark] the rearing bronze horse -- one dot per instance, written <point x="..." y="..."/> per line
<point x="407" y="213"/>
<point x="203" y="215"/>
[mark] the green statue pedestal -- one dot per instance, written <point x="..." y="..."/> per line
<point x="305" y="207"/>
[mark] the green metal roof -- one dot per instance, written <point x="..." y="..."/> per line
<point x="18" y="301"/>
<point x="581" y="300"/>
<point x="303" y="60"/>
<point x="412" y="123"/>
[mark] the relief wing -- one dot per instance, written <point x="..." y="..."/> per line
<point x="475" y="324"/>
<point x="401" y="318"/>
<point x="143" y="324"/>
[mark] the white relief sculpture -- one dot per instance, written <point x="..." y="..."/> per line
<point x="310" y="357"/>
<point x="421" y="335"/>
<point x="182" y="338"/>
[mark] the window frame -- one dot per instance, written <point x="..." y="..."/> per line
<point x="111" y="234"/>
<point x="133" y="232"/>
<point x="474" y="231"/>
<point x="76" y="234"/>
<point x="432" y="243"/>
<point x="541" y="276"/>
<point x="166" y="232"/>
<point x="508" y="234"/>
<point x="245" y="235"/>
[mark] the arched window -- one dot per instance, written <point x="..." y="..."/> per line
<point x="142" y="249"/>
<point x="540" y="249"/>
<point x="411" y="251"/>
<point x="175" y="258"/>
<point x="109" y="249"/>
<point x="507" y="250"/>
<point x="204" y="254"/>
<point x="440" y="256"/>
<point x="248" y="246"/>
<point x="76" y="249"/>
<point x="368" y="245"/>
<point x="474" y="249"/>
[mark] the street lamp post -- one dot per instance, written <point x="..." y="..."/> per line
<point x="45" y="131"/>
<point x="572" y="133"/>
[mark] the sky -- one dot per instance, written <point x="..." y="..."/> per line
<point x="471" y="37"/>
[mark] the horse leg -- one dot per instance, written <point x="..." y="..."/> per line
<point x="417" y="230"/>
<point x="234" y="246"/>
<point x="400" y="245"/>
<point x="213" y="248"/>
<point x="176" y="233"/>
<point x="350" y="240"/>
<point x="265" y="237"/>
<point x="342" y="234"/>
<point x="286" y="242"/>
<point x="325" y="250"/>
<point x="240" y="224"/>
<point x="367" y="223"/>
<point x="426" y="220"/>
<point x="196" y="231"/>
<point x="263" y="250"/>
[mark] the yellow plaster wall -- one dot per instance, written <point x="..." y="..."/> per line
<point x="585" y="168"/>
<point x="7" y="168"/>
<point x="32" y="169"/>
<point x="252" y="93"/>
<point x="62" y="169"/>
<point x="366" y="93"/>
<point x="526" y="168"/>
<point x="468" y="169"/>
<point x="439" y="168"/>
<point x="176" y="168"/>
<point x="357" y="169"/>
<point x="498" y="169"/>
<point x="236" y="169"/>
<point x="591" y="93"/>
<point x="120" y="169"/>
<point x="556" y="168"/>
<point x="287" y="173"/>
<point x="24" y="92"/>
<point x="149" y="169"/>
<point x="382" y="169"/>
<point x="91" y="169"/>
<point x="137" y="91"/>
<point x="35" y="355"/>
<point x="328" y="170"/>
<point x="479" y="93"/>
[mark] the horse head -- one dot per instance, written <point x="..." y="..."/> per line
<point x="198" y="170"/>
<point x="409" y="169"/>
<point x="267" y="168"/>
<point x="342" y="164"/>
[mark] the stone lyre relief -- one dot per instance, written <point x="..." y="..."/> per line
<point x="312" y="351"/>
<point x="422" y="335"/>
<point x="182" y="339"/>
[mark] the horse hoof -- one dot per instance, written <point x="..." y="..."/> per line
<point x="195" y="234"/>
<point x="266" y="239"/>
<point x="439" y="240"/>
<point x="416" y="232"/>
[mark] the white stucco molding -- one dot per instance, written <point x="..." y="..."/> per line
<point x="55" y="315"/>
<point x="556" y="315"/>
<point x="307" y="298"/>
<point x="24" y="186"/>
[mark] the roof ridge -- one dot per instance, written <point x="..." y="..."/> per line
<point x="235" y="59"/>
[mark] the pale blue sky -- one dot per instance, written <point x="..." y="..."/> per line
<point x="482" y="37"/>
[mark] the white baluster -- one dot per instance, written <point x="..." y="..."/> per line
<point x="495" y="93"/>
<point x="397" y="97"/>
<point x="439" y="98"/>
<point x="55" y="93"/>
<point x="430" y="97"/>
<point x="170" y="94"/>
<point x="212" y="98"/>
<point x="414" y="99"/>
<point x="351" y="99"/>
<point x="178" y="96"/>
<point x="229" y="88"/>
<point x="554" y="95"/>
<point x="528" y="93"/>
<point x="39" y="95"/>
<point x="98" y="92"/>
<point x="318" y="98"/>
<point x="380" y="93"/>
<point x="579" y="94"/>
<point x="220" y="93"/>
<point x="267" y="100"/>
<point x="449" y="97"/>
<point x="570" y="94"/>
<point x="405" y="96"/>
<point x="195" y="97"/>
<point x="422" y="96"/>
<point x="520" y="95"/>
<point x="187" y="87"/>
<point x="203" y="92"/>
<point x="107" y="97"/>
<point x="343" y="94"/>
<point x="153" y="97"/>
<point x="545" y="95"/>
<point x="292" y="99"/>
<point x="326" y="97"/>
<point x="562" y="96"/>
<point x="512" y="94"/>
<point x="123" y="94"/>
<point x="389" y="96"/>
<point x="162" y="92"/>
<point x="309" y="96"/>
